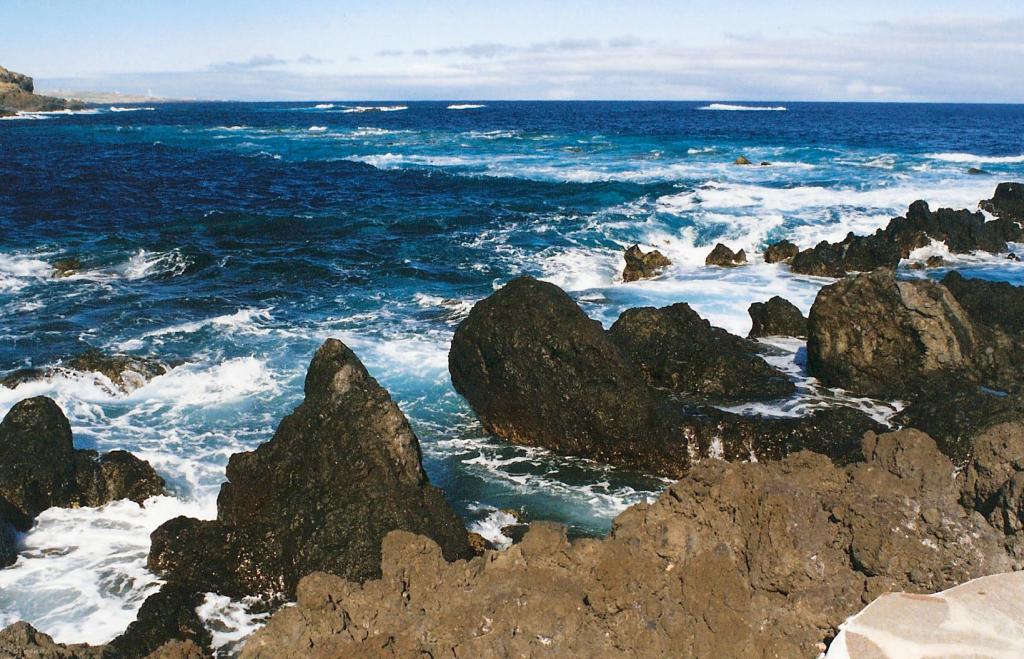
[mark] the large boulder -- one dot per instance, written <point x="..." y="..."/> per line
<point x="882" y="337"/>
<point x="537" y="371"/>
<point x="40" y="467"/>
<point x="1007" y="203"/>
<point x="780" y="252"/>
<point x="678" y="350"/>
<point x="776" y="317"/>
<point x="340" y="472"/>
<point x="643" y="265"/>
<point x="734" y="560"/>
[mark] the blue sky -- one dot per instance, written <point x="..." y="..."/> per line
<point x="939" y="50"/>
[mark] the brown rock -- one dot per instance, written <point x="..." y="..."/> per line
<point x="782" y="251"/>
<point x="742" y="160"/>
<point x="640" y="265"/>
<point x="725" y="257"/>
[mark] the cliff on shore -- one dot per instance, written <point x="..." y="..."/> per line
<point x="17" y="94"/>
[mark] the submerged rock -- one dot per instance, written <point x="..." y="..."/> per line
<point x="722" y="256"/>
<point x="734" y="560"/>
<point x="340" y="472"/>
<point x="782" y="251"/>
<point x="537" y="371"/>
<point x="121" y="373"/>
<point x="776" y="317"/>
<point x="741" y="160"/>
<point x="66" y="267"/>
<point x="640" y="265"/>
<point x="1007" y="202"/>
<point x="878" y="336"/>
<point x="40" y="469"/>
<point x="678" y="350"/>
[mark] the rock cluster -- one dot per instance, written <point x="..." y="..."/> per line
<point x="960" y="230"/>
<point x="724" y="257"/>
<point x="643" y="265"/>
<point x="780" y="252"/>
<point x="776" y="317"/>
<point x="751" y="559"/>
<point x="17" y="95"/>
<point x="40" y="468"/>
<point x="341" y="471"/>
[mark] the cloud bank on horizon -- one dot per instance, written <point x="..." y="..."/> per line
<point x="945" y="50"/>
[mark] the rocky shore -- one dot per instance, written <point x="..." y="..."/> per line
<point x="17" y="94"/>
<point x="775" y="531"/>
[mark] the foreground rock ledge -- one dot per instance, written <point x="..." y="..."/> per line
<point x="735" y="560"/>
<point x="340" y="472"/>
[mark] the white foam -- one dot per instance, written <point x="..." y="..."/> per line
<point x="973" y="158"/>
<point x="19" y="270"/>
<point x="465" y="106"/>
<point x="374" y="108"/>
<point x="323" y="106"/>
<point x="245" y="321"/>
<point x="144" y="264"/>
<point x="317" y="129"/>
<point x="114" y="108"/>
<point x="229" y="621"/>
<point x="490" y="527"/>
<point x="744" y="108"/>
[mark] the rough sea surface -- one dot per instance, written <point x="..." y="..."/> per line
<point x="235" y="238"/>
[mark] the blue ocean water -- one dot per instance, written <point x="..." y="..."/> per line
<point x="234" y="238"/>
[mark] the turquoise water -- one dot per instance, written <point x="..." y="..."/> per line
<point x="236" y="237"/>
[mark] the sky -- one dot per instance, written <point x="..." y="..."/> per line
<point x="770" y="50"/>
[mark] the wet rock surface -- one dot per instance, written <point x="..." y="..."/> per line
<point x="23" y="641"/>
<point x="776" y="317"/>
<point x="853" y="254"/>
<point x="641" y="265"/>
<point x="168" y="614"/>
<point x="678" y="350"/>
<point x="722" y="256"/>
<point x="40" y="468"/>
<point x="780" y="252"/>
<point x="340" y="472"/>
<point x="1007" y="202"/>
<point x="537" y="371"/>
<point x="733" y="560"/>
<point x="121" y="373"/>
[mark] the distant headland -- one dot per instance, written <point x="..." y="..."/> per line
<point x="17" y="94"/>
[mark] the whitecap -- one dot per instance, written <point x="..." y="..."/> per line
<point x="144" y="264"/>
<point x="465" y="106"/>
<point x="744" y="108"/>
<point x="229" y="621"/>
<point x="317" y="129"/>
<point x="374" y="108"/>
<point x="323" y="106"/>
<point x="973" y="158"/>
<point x="20" y="270"/>
<point x="491" y="525"/>
<point x="115" y="108"/>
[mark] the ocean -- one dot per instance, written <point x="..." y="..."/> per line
<point x="233" y="238"/>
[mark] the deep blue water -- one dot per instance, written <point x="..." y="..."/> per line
<point x="236" y="237"/>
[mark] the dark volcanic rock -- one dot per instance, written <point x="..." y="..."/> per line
<point x="962" y="231"/>
<point x="640" y="265"/>
<point x="722" y="256"/>
<point x="340" y="472"/>
<point x="8" y="534"/>
<point x="168" y="614"/>
<point x="734" y="560"/>
<point x="878" y="336"/>
<point x="66" y="267"/>
<point x="678" y="350"/>
<point x="538" y="372"/>
<point x="776" y="317"/>
<point x="853" y="254"/>
<point x="781" y="251"/>
<point x="1007" y="202"/>
<point x="40" y="468"/>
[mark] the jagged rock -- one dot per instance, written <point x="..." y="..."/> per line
<point x="340" y="472"/>
<point x="178" y="650"/>
<point x="934" y="262"/>
<point x="998" y="456"/>
<point x="16" y="94"/>
<point x="1007" y="202"/>
<point x="23" y="641"/>
<point x="40" y="468"/>
<point x="478" y="544"/>
<point x="640" y="265"/>
<point x="66" y="267"/>
<point x="962" y="231"/>
<point x="782" y="251"/>
<point x="776" y="317"/>
<point x="166" y="615"/>
<point x="878" y="336"/>
<point x="538" y="372"/>
<point x="742" y="160"/>
<point x="722" y="256"/>
<point x="734" y="560"/>
<point x="980" y="618"/>
<point x="853" y="254"/>
<point x="678" y="350"/>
